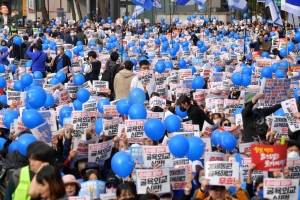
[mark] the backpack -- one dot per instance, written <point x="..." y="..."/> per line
<point x="260" y="124"/>
<point x="109" y="76"/>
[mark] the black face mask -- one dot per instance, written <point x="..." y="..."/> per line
<point x="182" y="109"/>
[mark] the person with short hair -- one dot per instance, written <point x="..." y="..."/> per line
<point x="40" y="40"/>
<point x="96" y="66"/>
<point x="60" y="61"/>
<point x="6" y="19"/>
<point x="123" y="80"/>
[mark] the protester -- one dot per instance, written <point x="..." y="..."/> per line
<point x="72" y="186"/>
<point x="96" y="65"/>
<point x="61" y="60"/>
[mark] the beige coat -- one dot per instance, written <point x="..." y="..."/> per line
<point x="122" y="83"/>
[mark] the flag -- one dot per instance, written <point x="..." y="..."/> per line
<point x="201" y="8"/>
<point x="275" y="13"/>
<point x="200" y="2"/>
<point x="291" y="6"/>
<point x="185" y="2"/>
<point x="294" y="20"/>
<point x="238" y="4"/>
<point x="157" y="4"/>
<point x="146" y="4"/>
<point x="138" y="10"/>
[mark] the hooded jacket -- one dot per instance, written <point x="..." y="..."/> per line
<point x="122" y="83"/>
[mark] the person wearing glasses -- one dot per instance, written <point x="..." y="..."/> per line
<point x="112" y="183"/>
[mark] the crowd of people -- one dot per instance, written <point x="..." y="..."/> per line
<point x="197" y="109"/>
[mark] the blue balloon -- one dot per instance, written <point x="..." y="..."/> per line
<point x="65" y="112"/>
<point x="291" y="46"/>
<point x="229" y="142"/>
<point x="193" y="69"/>
<point x="54" y="81"/>
<point x="246" y="80"/>
<point x="13" y="146"/>
<point x="172" y="123"/>
<point x="137" y="95"/>
<point x="77" y="105"/>
<point x="123" y="106"/>
<point x="218" y="69"/>
<point x="297" y="37"/>
<point x="196" y="148"/>
<point x="215" y="137"/>
<point x="160" y="67"/>
<point x="2" y="142"/>
<point x="154" y="129"/>
<point x="137" y="111"/>
<point x="279" y="112"/>
<point x="61" y="76"/>
<point x="198" y="83"/>
<point x="224" y="49"/>
<point x="17" y="40"/>
<point x="31" y="118"/>
<point x="157" y="41"/>
<point x="265" y="55"/>
<point x="45" y="46"/>
<point x="180" y="113"/>
<point x="284" y="64"/>
<point x="169" y="65"/>
<point x="79" y="79"/>
<point x="78" y="43"/>
<point x="237" y="78"/>
<point x="49" y="101"/>
<point x="9" y="117"/>
<point x="101" y="103"/>
<point x="36" y="97"/>
<point x="237" y="111"/>
<point x="283" y="52"/>
<point x="83" y="95"/>
<point x="296" y="94"/>
<point x="2" y="82"/>
<point x="37" y="75"/>
<point x="247" y="70"/>
<point x="176" y="20"/>
<point x="222" y="135"/>
<point x="182" y="63"/>
<point x="98" y="126"/>
<point x="3" y="100"/>
<point x="178" y="146"/>
<point x="275" y="67"/>
<point x="26" y="79"/>
<point x="2" y="68"/>
<point x="24" y="141"/>
<point x="266" y="72"/>
<point x="13" y="67"/>
<point x="203" y="48"/>
<point x="280" y="73"/>
<point x="122" y="164"/>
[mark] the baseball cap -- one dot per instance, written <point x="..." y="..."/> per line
<point x="112" y="179"/>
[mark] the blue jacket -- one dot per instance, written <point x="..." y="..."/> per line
<point x="3" y="59"/>
<point x="38" y="65"/>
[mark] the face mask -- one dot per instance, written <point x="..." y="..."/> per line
<point x="72" y="34"/>
<point x="13" y="24"/>
<point x="182" y="109"/>
<point x="101" y="71"/>
<point x="260" y="193"/>
<point x="111" y="190"/>
<point x="81" y="166"/>
<point x="293" y="154"/>
<point x="58" y="52"/>
<point x="216" y="121"/>
<point x="256" y="31"/>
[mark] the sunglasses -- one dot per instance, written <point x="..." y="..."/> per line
<point x="109" y="185"/>
<point x="227" y="124"/>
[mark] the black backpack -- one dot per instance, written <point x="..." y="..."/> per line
<point x="109" y="76"/>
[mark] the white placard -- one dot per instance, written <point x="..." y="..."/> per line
<point x="157" y="155"/>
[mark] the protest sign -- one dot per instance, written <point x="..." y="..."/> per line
<point x="246" y="147"/>
<point x="269" y="157"/>
<point x="214" y="156"/>
<point x="72" y="91"/>
<point x="52" y="88"/>
<point x="87" y="85"/>
<point x="79" y="198"/>
<point x="49" y="116"/>
<point x="207" y="144"/>
<point x="275" y="91"/>
<point x="178" y="178"/>
<point x="294" y="166"/>
<point x="15" y="98"/>
<point x="63" y="97"/>
<point x="89" y="106"/>
<point x="42" y="132"/>
<point x="111" y="110"/>
<point x="221" y="173"/>
<point x="239" y="120"/>
<point x="79" y="134"/>
<point x="76" y="66"/>
<point x="186" y="82"/>
<point x="153" y="155"/>
<point x="81" y="120"/>
<point x="187" y="134"/>
<point x="289" y="108"/>
<point x="216" y="76"/>
<point x="157" y="101"/>
<point x="82" y="146"/>
<point x="160" y="79"/>
<point x="231" y="105"/>
<point x="137" y="154"/>
<point x="157" y="115"/>
<point x="155" y="180"/>
<point x="182" y="91"/>
<point x="110" y="127"/>
<point x="207" y="129"/>
<point x="181" y="163"/>
<point x="100" y="86"/>
<point x="184" y="73"/>
<point x="281" y="188"/>
<point x="199" y="97"/>
<point x="144" y="76"/>
<point x="135" y="128"/>
<point x="98" y="188"/>
<point x="99" y="151"/>
<point x="108" y="196"/>
<point x="189" y="128"/>
<point x="216" y="105"/>
<point x="280" y="125"/>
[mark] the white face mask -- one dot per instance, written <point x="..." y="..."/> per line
<point x="293" y="154"/>
<point x="101" y="71"/>
<point x="58" y="52"/>
<point x="216" y="121"/>
<point x="111" y="190"/>
<point x="72" y="34"/>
